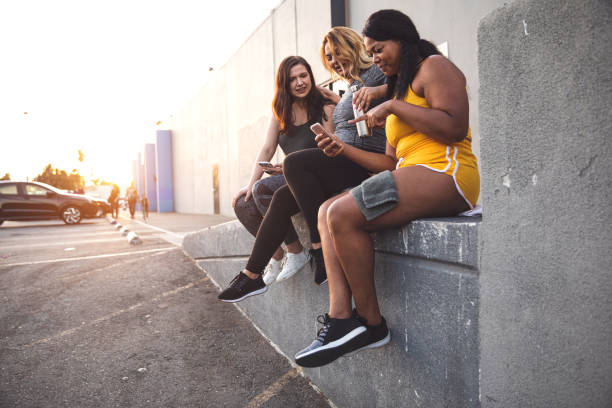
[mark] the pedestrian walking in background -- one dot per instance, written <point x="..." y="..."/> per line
<point x="132" y="197"/>
<point x="144" y="203"/>
<point x="113" y="200"/>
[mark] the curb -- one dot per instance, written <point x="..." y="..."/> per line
<point x="132" y="237"/>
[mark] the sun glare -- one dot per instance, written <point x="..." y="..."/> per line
<point x="97" y="77"/>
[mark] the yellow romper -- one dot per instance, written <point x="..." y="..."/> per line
<point x="413" y="148"/>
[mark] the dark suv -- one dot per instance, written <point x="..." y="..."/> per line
<point x="25" y="201"/>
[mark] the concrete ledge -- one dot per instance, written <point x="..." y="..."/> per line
<point x="427" y="284"/>
<point x="442" y="239"/>
<point x="227" y="239"/>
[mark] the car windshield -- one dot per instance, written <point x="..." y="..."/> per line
<point x="55" y="189"/>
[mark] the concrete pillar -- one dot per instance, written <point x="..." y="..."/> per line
<point x="546" y="241"/>
<point x="164" y="171"/>
<point x="139" y="181"/>
<point x="150" y="176"/>
<point x="135" y="173"/>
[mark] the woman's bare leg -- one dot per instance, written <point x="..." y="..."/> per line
<point x="422" y="193"/>
<point x="340" y="305"/>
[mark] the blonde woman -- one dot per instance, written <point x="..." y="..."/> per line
<point x="312" y="176"/>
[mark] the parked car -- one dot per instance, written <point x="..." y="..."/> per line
<point x="25" y="201"/>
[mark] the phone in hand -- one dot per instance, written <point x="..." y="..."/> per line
<point x="265" y="164"/>
<point x="317" y="128"/>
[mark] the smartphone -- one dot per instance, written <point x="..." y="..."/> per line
<point x="318" y="128"/>
<point x="265" y="164"/>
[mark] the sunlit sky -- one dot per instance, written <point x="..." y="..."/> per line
<point x="98" y="75"/>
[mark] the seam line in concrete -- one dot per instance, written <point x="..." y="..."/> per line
<point x="272" y="390"/>
<point x="452" y="266"/>
<point x="87" y="257"/>
<point x="114" y="314"/>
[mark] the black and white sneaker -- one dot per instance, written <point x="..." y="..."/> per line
<point x="378" y="336"/>
<point x="336" y="338"/>
<point x="241" y="287"/>
<point x="318" y="266"/>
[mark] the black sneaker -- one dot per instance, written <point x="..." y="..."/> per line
<point x="378" y="336"/>
<point x="318" y="266"/>
<point x="241" y="287"/>
<point x="336" y="338"/>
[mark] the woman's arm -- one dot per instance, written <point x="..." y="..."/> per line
<point x="328" y="123"/>
<point x="329" y="94"/>
<point x="374" y="162"/>
<point x="265" y="154"/>
<point x="365" y="95"/>
<point x="443" y="87"/>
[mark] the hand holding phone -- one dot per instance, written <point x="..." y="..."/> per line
<point x="265" y="164"/>
<point x="329" y="143"/>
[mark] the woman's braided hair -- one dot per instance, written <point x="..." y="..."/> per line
<point x="394" y="25"/>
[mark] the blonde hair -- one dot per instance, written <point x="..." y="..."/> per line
<point x="346" y="44"/>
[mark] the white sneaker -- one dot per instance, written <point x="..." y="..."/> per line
<point x="272" y="270"/>
<point x="293" y="264"/>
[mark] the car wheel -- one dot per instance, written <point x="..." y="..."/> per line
<point x="71" y="215"/>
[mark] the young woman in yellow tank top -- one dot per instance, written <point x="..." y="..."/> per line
<point x="428" y="170"/>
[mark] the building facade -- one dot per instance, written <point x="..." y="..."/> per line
<point x="224" y="125"/>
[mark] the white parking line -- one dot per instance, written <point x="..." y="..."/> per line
<point x="87" y="257"/>
<point x="41" y="237"/>
<point x="80" y="242"/>
<point x="151" y="226"/>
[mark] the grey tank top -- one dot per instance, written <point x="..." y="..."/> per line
<point x="343" y="112"/>
<point x="301" y="138"/>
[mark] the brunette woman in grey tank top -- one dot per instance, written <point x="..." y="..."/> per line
<point x="315" y="175"/>
<point x="297" y="104"/>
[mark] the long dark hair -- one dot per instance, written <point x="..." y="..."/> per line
<point x="283" y="99"/>
<point x="394" y="25"/>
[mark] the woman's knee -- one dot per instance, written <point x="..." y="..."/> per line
<point x="244" y="208"/>
<point x="296" y="162"/>
<point x="322" y="214"/>
<point x="282" y="198"/>
<point x="343" y="214"/>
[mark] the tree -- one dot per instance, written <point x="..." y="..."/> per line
<point x="6" y="176"/>
<point x="61" y="179"/>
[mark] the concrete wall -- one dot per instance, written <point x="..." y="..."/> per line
<point x="546" y="240"/>
<point x="427" y="283"/>
<point x="439" y="21"/>
<point x="150" y="176"/>
<point x="225" y="123"/>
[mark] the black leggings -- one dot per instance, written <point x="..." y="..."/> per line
<point x="312" y="177"/>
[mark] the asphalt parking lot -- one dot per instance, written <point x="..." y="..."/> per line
<point x="88" y="320"/>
